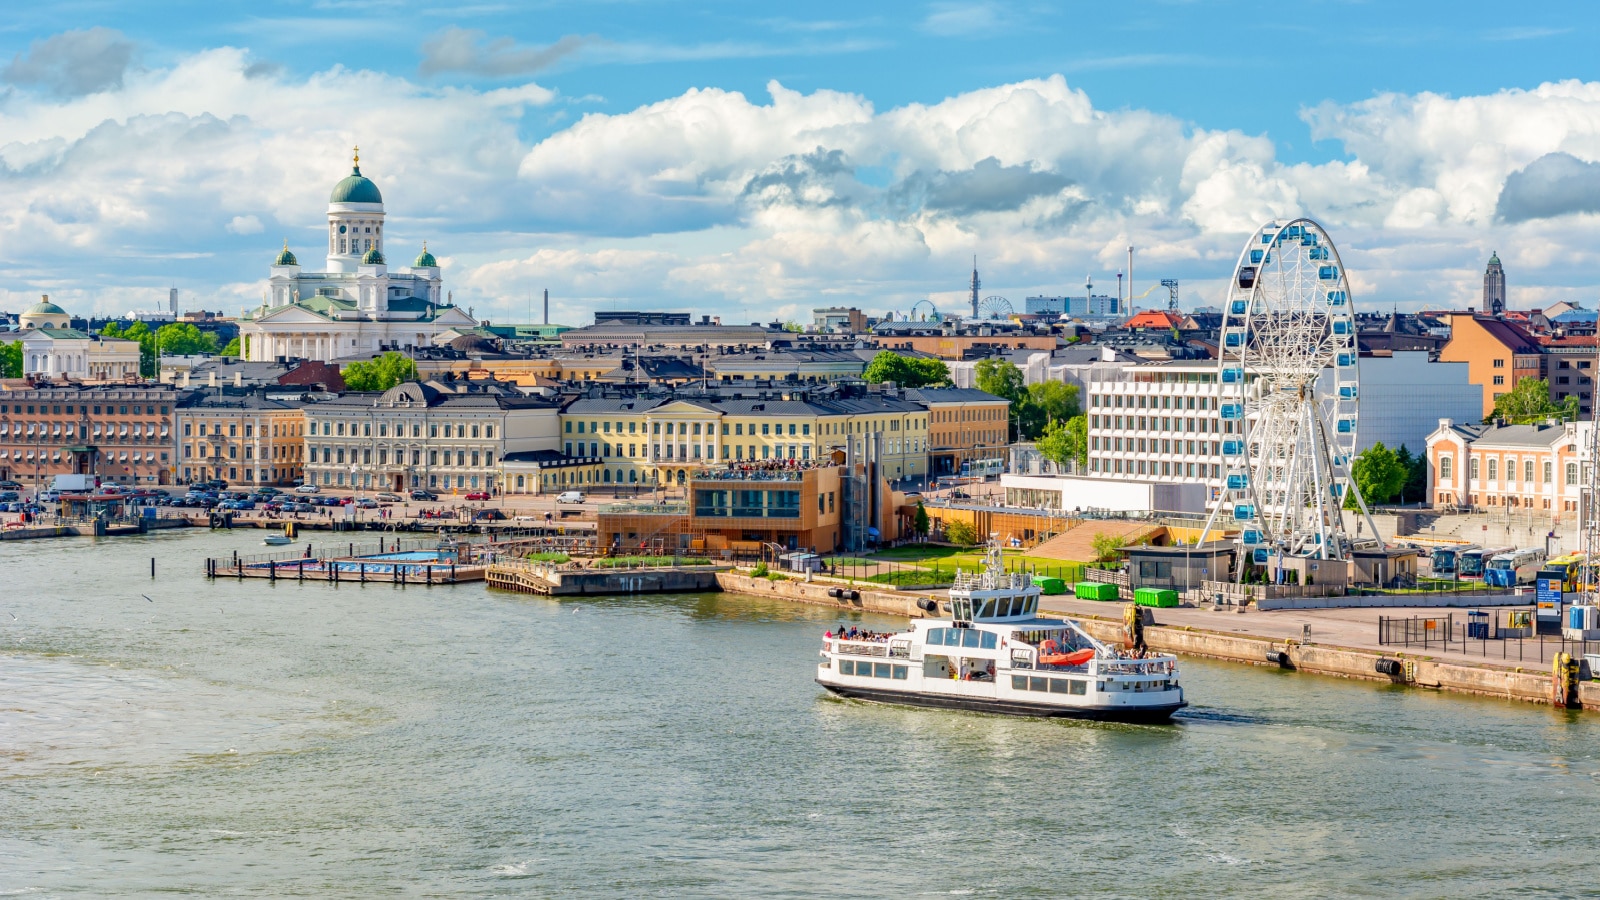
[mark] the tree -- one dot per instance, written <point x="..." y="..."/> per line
<point x="1415" y="487"/>
<point x="1067" y="442"/>
<point x="1379" y="475"/>
<point x="183" y="339"/>
<point x="11" y="360"/>
<point x="793" y="327"/>
<point x="1003" y="379"/>
<point x="232" y="348"/>
<point x="919" y="522"/>
<point x="1106" y="546"/>
<point x="961" y="533"/>
<point x="906" y="371"/>
<point x="1529" y="401"/>
<point x="380" y="374"/>
<point x="1057" y="399"/>
<point x="138" y="331"/>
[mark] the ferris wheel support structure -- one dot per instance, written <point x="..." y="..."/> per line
<point x="1288" y="447"/>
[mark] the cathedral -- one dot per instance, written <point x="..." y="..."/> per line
<point x="356" y="306"/>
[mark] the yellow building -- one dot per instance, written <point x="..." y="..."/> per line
<point x="241" y="437"/>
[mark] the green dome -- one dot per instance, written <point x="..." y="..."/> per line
<point x="285" y="258"/>
<point x="373" y="258"/>
<point x="355" y="188"/>
<point x="44" y="308"/>
<point x="425" y="259"/>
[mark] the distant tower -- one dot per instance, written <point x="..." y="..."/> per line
<point x="975" y="285"/>
<point x="1494" y="287"/>
<point x="172" y="303"/>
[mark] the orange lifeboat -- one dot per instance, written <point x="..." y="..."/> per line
<point x="1075" y="658"/>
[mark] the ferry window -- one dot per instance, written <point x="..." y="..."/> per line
<point x="1019" y="682"/>
<point x="989" y="640"/>
<point x="1036" y="683"/>
<point x="880" y="670"/>
<point x="1005" y="608"/>
<point x="900" y="672"/>
<point x="970" y="638"/>
<point x="1078" y="687"/>
<point x="847" y="667"/>
<point x="1058" y="685"/>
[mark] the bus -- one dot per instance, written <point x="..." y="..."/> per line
<point x="1470" y="565"/>
<point x="1446" y="560"/>
<point x="1562" y="573"/>
<point x="1514" y="568"/>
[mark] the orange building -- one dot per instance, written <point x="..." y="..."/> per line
<point x="1498" y="354"/>
<point x="963" y="425"/>
<point x="122" y="433"/>
<point x="1524" y="468"/>
<point x="738" y="508"/>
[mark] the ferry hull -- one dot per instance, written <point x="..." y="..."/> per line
<point x="1146" y="715"/>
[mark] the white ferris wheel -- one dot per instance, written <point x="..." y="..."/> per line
<point x="1288" y="445"/>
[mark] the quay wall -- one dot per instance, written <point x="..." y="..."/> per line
<point x="1527" y="685"/>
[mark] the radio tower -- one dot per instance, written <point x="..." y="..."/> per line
<point x="975" y="285"/>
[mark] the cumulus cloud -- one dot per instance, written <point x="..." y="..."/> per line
<point x="1552" y="185"/>
<point x="471" y="51"/>
<point x="73" y="63"/>
<point x="244" y="225"/>
<point x="986" y="187"/>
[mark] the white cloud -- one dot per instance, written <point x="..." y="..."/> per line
<point x="244" y="225"/>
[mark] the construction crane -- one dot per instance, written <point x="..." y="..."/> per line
<point x="1171" y="284"/>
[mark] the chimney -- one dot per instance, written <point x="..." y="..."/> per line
<point x="212" y="378"/>
<point x="238" y="378"/>
<point x="547" y="306"/>
<point x="185" y="377"/>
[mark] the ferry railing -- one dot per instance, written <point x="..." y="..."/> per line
<point x="860" y="648"/>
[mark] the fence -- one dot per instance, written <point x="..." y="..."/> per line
<point x="1508" y="636"/>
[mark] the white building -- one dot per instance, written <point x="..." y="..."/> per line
<point x="356" y="305"/>
<point x="51" y="347"/>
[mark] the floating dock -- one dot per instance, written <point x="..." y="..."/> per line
<point x="391" y="562"/>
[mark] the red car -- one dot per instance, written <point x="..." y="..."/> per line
<point x="478" y="495"/>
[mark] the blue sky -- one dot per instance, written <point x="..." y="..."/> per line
<point x="757" y="161"/>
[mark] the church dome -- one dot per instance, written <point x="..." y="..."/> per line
<point x="44" y="308"/>
<point x="355" y="187"/>
<point x="373" y="258"/>
<point x="472" y="343"/>
<point x="425" y="259"/>
<point x="286" y="258"/>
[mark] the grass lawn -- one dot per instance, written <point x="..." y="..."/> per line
<point x="549" y="557"/>
<point x="617" y="562"/>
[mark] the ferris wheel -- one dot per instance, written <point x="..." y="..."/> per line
<point x="995" y="307"/>
<point x="1288" y="445"/>
<point x="924" y="311"/>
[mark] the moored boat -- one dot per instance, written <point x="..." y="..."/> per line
<point x="995" y="654"/>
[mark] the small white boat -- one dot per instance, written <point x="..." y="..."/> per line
<point x="994" y="654"/>
<point x="277" y="540"/>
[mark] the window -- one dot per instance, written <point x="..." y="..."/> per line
<point x="1444" y="468"/>
<point x="1499" y="379"/>
<point x="1572" y="473"/>
<point x="1494" y="465"/>
<point x="1527" y="470"/>
<point x="1499" y="364"/>
<point x="1472" y="468"/>
<point x="1549" y="472"/>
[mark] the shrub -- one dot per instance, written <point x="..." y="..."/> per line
<point x="760" y="571"/>
<point x="1105" y="547"/>
<point x="961" y="533"/>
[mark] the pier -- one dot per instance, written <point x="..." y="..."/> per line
<point x="384" y="562"/>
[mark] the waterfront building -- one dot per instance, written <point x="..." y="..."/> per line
<point x="356" y="304"/>
<point x="248" y="436"/>
<point x="120" y="432"/>
<point x="447" y="436"/>
<point x="744" y="507"/>
<point x="1517" y="468"/>
<point x="964" y="425"/>
<point x="52" y="348"/>
<point x="664" y="438"/>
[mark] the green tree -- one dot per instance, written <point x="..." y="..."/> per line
<point x="1529" y="402"/>
<point x="793" y="327"/>
<point x="183" y="339"/>
<point x="961" y="533"/>
<point x="11" y="360"/>
<point x="380" y="374"/>
<point x="232" y="349"/>
<point x="1415" y="486"/>
<point x="148" y="353"/>
<point x="1379" y="474"/>
<point x="1056" y="399"/>
<point x="111" y="329"/>
<point x="1106" y="547"/>
<point x="1003" y="379"/>
<point x="920" y="522"/>
<point x="906" y="371"/>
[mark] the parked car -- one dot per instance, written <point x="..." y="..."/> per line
<point x="11" y="485"/>
<point x="269" y="491"/>
<point x="307" y="489"/>
<point x="570" y="497"/>
<point x="50" y="496"/>
<point x="387" y="497"/>
<point x="478" y="495"/>
<point x="9" y="496"/>
<point x="424" y="495"/>
<point x="366" y="503"/>
<point x="488" y="515"/>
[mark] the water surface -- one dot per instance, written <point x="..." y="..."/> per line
<point x="249" y="739"/>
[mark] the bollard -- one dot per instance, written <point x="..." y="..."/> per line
<point x="300" y="564"/>
<point x="430" y="573"/>
<point x="363" y="571"/>
<point x="152" y="567"/>
<point x="272" y="571"/>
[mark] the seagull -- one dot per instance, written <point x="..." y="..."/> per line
<point x="147" y="597"/>
<point x="13" y="617"/>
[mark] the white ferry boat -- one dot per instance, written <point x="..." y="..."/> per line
<point x="994" y="654"/>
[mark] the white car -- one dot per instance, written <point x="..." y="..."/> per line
<point x="307" y="489"/>
<point x="570" y="497"/>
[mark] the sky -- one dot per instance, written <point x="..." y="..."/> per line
<point x="754" y="161"/>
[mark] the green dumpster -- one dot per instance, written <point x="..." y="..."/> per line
<point x="1049" y="584"/>
<point x="1155" y="597"/>
<point x="1095" y="590"/>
